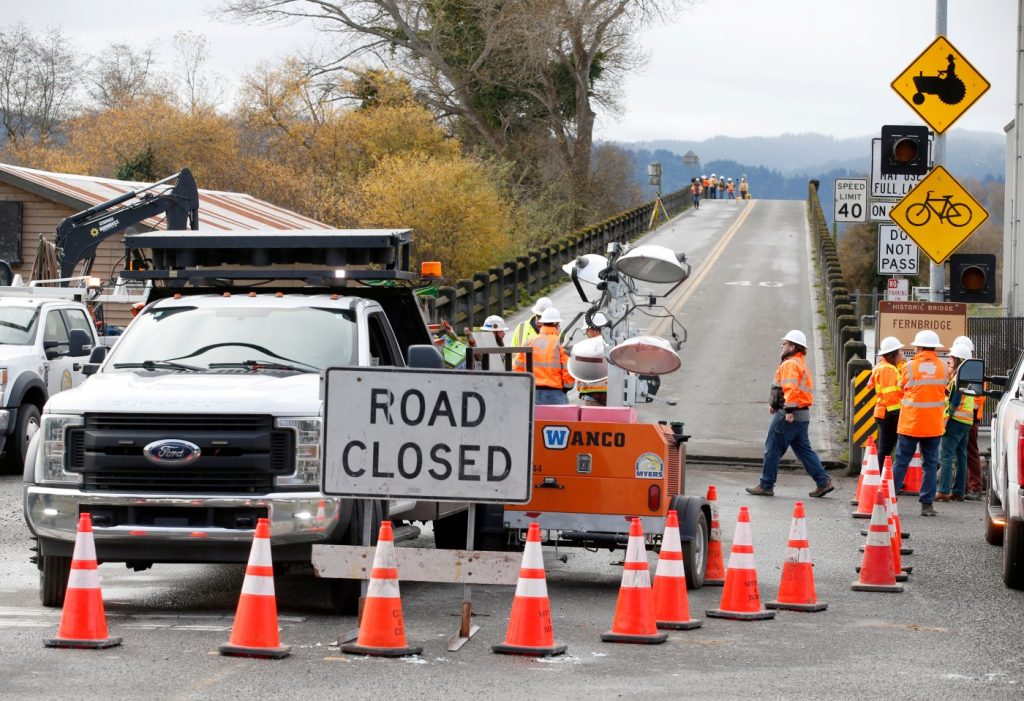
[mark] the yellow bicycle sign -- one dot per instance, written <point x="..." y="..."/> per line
<point x="939" y="214"/>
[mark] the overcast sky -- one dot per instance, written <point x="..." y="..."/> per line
<point x="722" y="67"/>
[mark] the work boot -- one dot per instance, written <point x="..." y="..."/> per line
<point x="942" y="496"/>
<point x="822" y="490"/>
<point x="973" y="496"/>
<point x="760" y="491"/>
<point x="928" y="510"/>
<point x="956" y="497"/>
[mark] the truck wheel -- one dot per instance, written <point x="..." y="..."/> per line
<point x="53" y="579"/>
<point x="450" y="533"/>
<point x="1013" y="554"/>
<point x="345" y="592"/>
<point x="993" y="531"/>
<point x="17" y="447"/>
<point x="695" y="554"/>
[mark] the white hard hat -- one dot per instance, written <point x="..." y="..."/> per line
<point x="494" y="323"/>
<point x="966" y="341"/>
<point x="712" y="175"/>
<point x="927" y="339"/>
<point x="587" y="362"/>
<point x="960" y="350"/>
<point x="551" y="316"/>
<point x="599" y="319"/>
<point x="729" y="179"/>
<point x="889" y="344"/>
<point x="796" y="337"/>
<point x="542" y="304"/>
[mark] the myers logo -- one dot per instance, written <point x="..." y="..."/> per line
<point x="556" y="437"/>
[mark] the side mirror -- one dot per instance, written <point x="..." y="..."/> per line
<point x="426" y="356"/>
<point x="96" y="358"/>
<point x="970" y="376"/>
<point x="80" y="343"/>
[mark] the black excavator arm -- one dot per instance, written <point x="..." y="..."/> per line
<point x="80" y="234"/>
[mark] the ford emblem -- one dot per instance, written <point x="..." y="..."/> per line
<point x="171" y="452"/>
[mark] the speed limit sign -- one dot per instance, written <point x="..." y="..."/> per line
<point x="851" y="200"/>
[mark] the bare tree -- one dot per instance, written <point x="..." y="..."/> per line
<point x="38" y="76"/>
<point x="119" y="75"/>
<point x="196" y="89"/>
<point x="491" y="63"/>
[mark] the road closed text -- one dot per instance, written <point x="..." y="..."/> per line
<point x="415" y="433"/>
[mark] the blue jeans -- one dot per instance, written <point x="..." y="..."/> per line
<point x="905" y="447"/>
<point x="543" y="395"/>
<point x="954" y="447"/>
<point x="782" y="435"/>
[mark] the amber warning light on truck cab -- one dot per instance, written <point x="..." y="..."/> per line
<point x="427" y="434"/>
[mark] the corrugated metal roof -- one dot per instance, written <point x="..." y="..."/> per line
<point x="217" y="210"/>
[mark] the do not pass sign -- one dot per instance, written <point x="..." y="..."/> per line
<point x="897" y="252"/>
<point x="426" y="434"/>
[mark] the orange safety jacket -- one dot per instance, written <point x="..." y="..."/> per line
<point x="706" y="183"/>
<point x="795" y="380"/>
<point x="550" y="361"/>
<point x="885" y="379"/>
<point x="924" y="396"/>
<point x="979" y="404"/>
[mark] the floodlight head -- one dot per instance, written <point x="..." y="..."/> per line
<point x="587" y="362"/>
<point x="587" y="267"/>
<point x="645" y="355"/>
<point x="652" y="263"/>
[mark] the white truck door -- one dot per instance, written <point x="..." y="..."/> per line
<point x="59" y="375"/>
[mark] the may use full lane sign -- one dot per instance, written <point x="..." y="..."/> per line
<point x="428" y="434"/>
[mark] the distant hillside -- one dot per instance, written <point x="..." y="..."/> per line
<point x="779" y="167"/>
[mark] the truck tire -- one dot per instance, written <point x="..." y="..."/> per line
<point x="993" y="531"/>
<point x="450" y="533"/>
<point x="17" y="446"/>
<point x="1013" y="554"/>
<point x="53" y="579"/>
<point x="345" y="592"/>
<point x="695" y="553"/>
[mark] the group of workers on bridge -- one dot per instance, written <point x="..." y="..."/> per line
<point x="718" y="188"/>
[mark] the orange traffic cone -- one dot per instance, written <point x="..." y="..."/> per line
<point x="634" y="612"/>
<point x="868" y="489"/>
<point x="740" y="597"/>
<point x="83" y="623"/>
<point x="870" y="450"/>
<point x="321" y="518"/>
<point x="915" y="476"/>
<point x="381" y="628"/>
<point x="254" y="633"/>
<point x="796" y="590"/>
<point x="876" y="571"/>
<point x="714" y="575"/>
<point x="894" y="507"/>
<point x="671" y="602"/>
<point x="902" y="571"/>
<point x="529" y="625"/>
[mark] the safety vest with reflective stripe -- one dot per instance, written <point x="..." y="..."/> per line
<point x="964" y="409"/>
<point x="795" y="380"/>
<point x="550" y="361"/>
<point x="924" y="396"/>
<point x="885" y="379"/>
<point x="585" y="388"/>
<point x="521" y="336"/>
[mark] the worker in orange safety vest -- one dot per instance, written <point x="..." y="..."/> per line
<point x="885" y="381"/>
<point x="953" y="447"/>
<point x="975" y="487"/>
<point x="550" y="362"/>
<point x="791" y="399"/>
<point x="922" y="416"/>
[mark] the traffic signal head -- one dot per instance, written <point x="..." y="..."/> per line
<point x="904" y="150"/>
<point x="972" y="277"/>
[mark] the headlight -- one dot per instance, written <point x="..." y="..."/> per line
<point x="3" y="380"/>
<point x="55" y="430"/>
<point x="307" y="452"/>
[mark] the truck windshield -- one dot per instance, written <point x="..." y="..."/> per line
<point x="17" y="325"/>
<point x="309" y="338"/>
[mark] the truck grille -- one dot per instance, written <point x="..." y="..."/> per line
<point x="241" y="454"/>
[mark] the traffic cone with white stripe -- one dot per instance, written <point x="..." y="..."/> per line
<point x="902" y="571"/>
<point x="796" y="590"/>
<point x="714" y="575"/>
<point x="671" y="602"/>
<point x="254" y="633"/>
<point x="634" y="612"/>
<point x="894" y="508"/>
<point x="877" y="572"/>
<point x="868" y="489"/>
<point x="83" y="624"/>
<point x="381" y="628"/>
<point x="870" y="453"/>
<point x="741" y="599"/>
<point x="320" y="519"/>
<point x="529" y="625"/>
<point x="914" y="478"/>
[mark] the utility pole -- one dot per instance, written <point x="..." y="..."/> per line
<point x="937" y="271"/>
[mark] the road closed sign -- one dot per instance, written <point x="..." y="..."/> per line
<point x="897" y="252"/>
<point x="851" y="199"/>
<point x="427" y="434"/>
